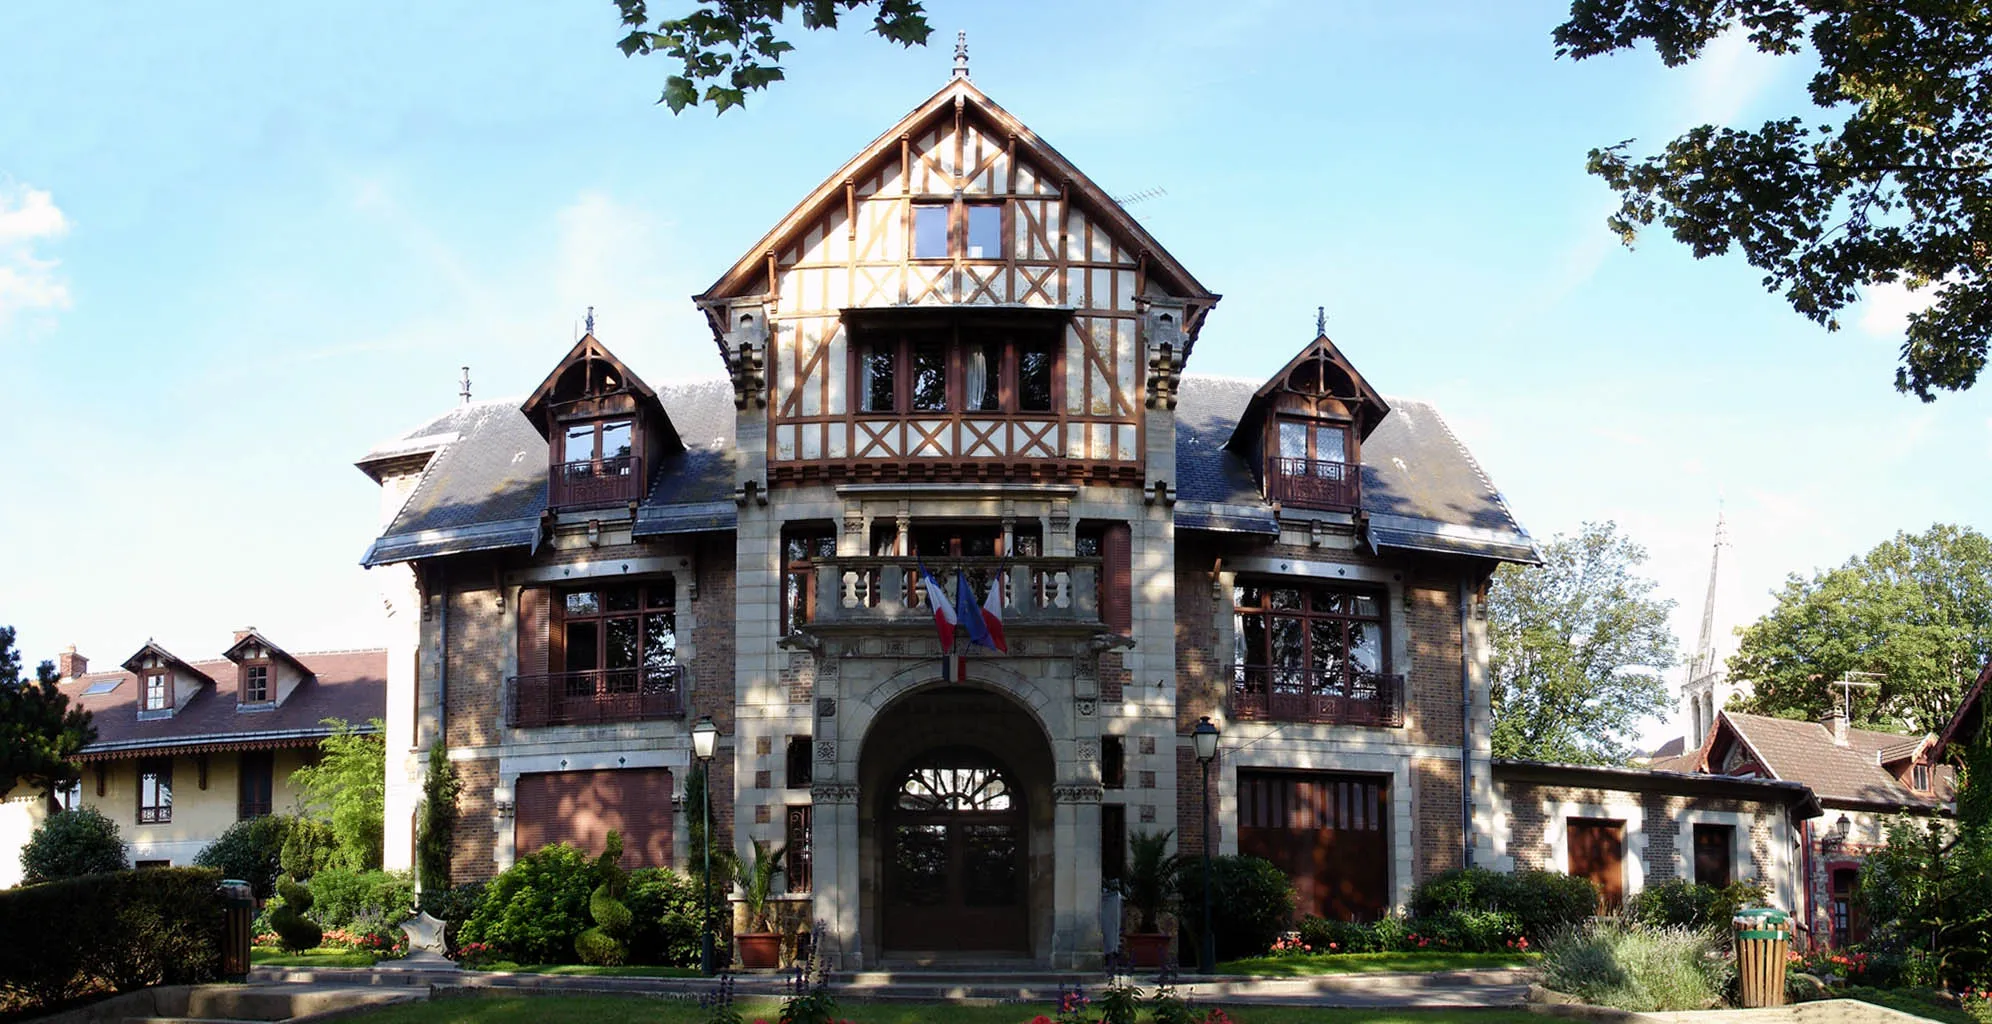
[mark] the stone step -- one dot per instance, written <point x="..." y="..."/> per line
<point x="190" y="1020"/>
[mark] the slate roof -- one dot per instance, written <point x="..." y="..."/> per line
<point x="487" y="489"/>
<point x="1805" y="752"/>
<point x="1803" y="802"/>
<point x="1421" y="489"/>
<point x="351" y="685"/>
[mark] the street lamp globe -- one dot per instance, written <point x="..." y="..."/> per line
<point x="1205" y="738"/>
<point x="705" y="736"/>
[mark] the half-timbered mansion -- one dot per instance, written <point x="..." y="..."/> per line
<point x="959" y="353"/>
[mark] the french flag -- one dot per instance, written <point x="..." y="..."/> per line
<point x="945" y="617"/>
<point x="992" y="614"/>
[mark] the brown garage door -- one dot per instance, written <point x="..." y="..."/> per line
<point x="579" y="808"/>
<point x="1597" y="852"/>
<point x="1327" y="831"/>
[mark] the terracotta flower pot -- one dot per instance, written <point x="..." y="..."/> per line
<point x="1147" y="949"/>
<point x="760" y="949"/>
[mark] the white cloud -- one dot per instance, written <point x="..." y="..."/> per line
<point x="29" y="282"/>
<point x="1885" y="308"/>
<point x="1730" y="75"/>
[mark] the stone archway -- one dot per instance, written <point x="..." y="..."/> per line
<point x="956" y="830"/>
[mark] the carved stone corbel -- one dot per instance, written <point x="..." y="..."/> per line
<point x="750" y="490"/>
<point x="1160" y="491"/>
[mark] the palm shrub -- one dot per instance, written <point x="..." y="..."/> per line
<point x="73" y="843"/>
<point x="1641" y="969"/>
<point x="605" y="943"/>
<point x="758" y="884"/>
<point x="295" y="932"/>
<point x="1150" y="878"/>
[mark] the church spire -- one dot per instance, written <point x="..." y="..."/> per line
<point x="1704" y="663"/>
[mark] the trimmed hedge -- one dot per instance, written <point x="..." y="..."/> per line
<point x="109" y="932"/>
<point x="1684" y="904"/>
<point x="1539" y="901"/>
<point x="72" y="844"/>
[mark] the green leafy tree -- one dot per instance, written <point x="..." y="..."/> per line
<point x="348" y="788"/>
<point x="1930" y="888"/>
<point x="72" y="843"/>
<point x="1916" y="611"/>
<point x="39" y="731"/>
<point x="436" y="831"/>
<point x="1579" y="644"/>
<point x="728" y="48"/>
<point x="1887" y="178"/>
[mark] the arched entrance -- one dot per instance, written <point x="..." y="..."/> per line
<point x="956" y="827"/>
<point x="957" y="855"/>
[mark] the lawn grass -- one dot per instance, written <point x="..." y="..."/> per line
<point x="323" y="956"/>
<point x="1369" y="963"/>
<point x="494" y="1009"/>
<point x="1908" y="1002"/>
<point x="594" y="970"/>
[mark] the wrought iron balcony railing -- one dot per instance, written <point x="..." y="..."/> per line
<point x="595" y="482"/>
<point x="1315" y="483"/>
<point x="602" y="696"/>
<point x="1293" y="694"/>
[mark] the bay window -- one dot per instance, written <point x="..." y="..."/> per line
<point x="947" y="369"/>
<point x="1305" y="651"/>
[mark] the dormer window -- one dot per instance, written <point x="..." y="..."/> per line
<point x="158" y="691"/>
<point x="1313" y="468"/>
<point x="1919" y="778"/>
<point x="603" y="426"/>
<point x="1304" y="430"/>
<point x="255" y="684"/>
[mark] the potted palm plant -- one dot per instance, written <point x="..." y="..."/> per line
<point x="1149" y="882"/>
<point x="761" y="944"/>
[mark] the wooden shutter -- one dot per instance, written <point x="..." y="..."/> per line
<point x="1117" y="577"/>
<point x="579" y="808"/>
<point x="535" y="632"/>
<point x="1597" y="852"/>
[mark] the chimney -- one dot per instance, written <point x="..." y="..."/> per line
<point x="244" y="631"/>
<point x="1835" y="722"/>
<point x="71" y="665"/>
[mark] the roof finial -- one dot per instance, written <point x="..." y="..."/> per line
<point x="1321" y="321"/>
<point x="466" y="385"/>
<point x="961" y="54"/>
<point x="591" y="320"/>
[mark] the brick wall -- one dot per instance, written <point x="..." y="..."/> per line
<point x="1114" y="675"/>
<point x="723" y="800"/>
<point x="1663" y="826"/>
<point x="799" y="677"/>
<point x="713" y="632"/>
<point x="473" y="848"/>
<point x="479" y="649"/>
<point x="1435" y="832"/>
<point x="1189" y="802"/>
<point x="1432" y="684"/>
<point x="1660" y="818"/>
<point x="1200" y="668"/>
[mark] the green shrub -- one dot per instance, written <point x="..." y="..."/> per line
<point x="250" y="850"/>
<point x="455" y="903"/>
<point x="340" y="895"/>
<point x="71" y="844"/>
<point x="603" y="944"/>
<point x="120" y="930"/>
<point x="536" y="908"/>
<point x="1468" y="931"/>
<point x="308" y="846"/>
<point x="1255" y="898"/>
<point x="295" y="932"/>
<point x="1681" y="903"/>
<point x="1541" y="902"/>
<point x="664" y="912"/>
<point x="1632" y="967"/>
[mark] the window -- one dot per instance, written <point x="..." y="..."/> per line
<point x="1919" y="778"/>
<point x="1845" y="915"/>
<point x="1310" y="653"/>
<point x="1113" y="842"/>
<point x="1713" y="847"/>
<point x="1113" y="762"/>
<point x="801" y="769"/>
<point x="930" y="231"/>
<point x="797" y="866"/>
<point x="156" y="692"/>
<point x="69" y="795"/>
<point x="802" y="547"/>
<point x="1312" y="465"/>
<point x="1313" y="442"/>
<point x="255" y="684"/>
<point x="985" y="231"/>
<point x="628" y="633"/>
<point x="595" y="442"/>
<point x="102" y="686"/>
<point x="252" y="798"/>
<point x="956" y="369"/>
<point x="155" y="791"/>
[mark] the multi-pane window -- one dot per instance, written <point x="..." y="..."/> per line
<point x="596" y="441"/>
<point x="939" y="235"/>
<point x="254" y="784"/>
<point x="797" y="866"/>
<point x="1314" y="442"/>
<point x="157" y="691"/>
<point x="255" y="684"/>
<point x="69" y="795"/>
<point x="802" y="547"/>
<point x="1919" y="778"/>
<point x="1330" y="635"/>
<point x="930" y="231"/>
<point x="627" y="632"/>
<point x="155" y="791"/>
<point x="949" y="370"/>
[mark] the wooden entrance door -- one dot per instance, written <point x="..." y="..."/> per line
<point x="1597" y="852"/>
<point x="1327" y="832"/>
<point x="956" y="844"/>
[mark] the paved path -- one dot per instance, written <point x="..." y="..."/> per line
<point x="1473" y="988"/>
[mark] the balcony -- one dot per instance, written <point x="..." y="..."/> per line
<point x="598" y="697"/>
<point x="1315" y="483"/>
<point x="1037" y="591"/>
<point x="595" y="482"/>
<point x="1262" y="693"/>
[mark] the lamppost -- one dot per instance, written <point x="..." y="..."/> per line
<point x="1205" y="737"/>
<point x="704" y="736"/>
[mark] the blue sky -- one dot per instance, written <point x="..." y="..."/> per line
<point x="238" y="245"/>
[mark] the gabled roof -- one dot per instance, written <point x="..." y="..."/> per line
<point x="748" y="274"/>
<point x="1968" y="721"/>
<point x="249" y="637"/>
<point x="1364" y="406"/>
<point x="131" y="664"/>
<point x="348" y="685"/>
<point x="538" y="406"/>
<point x="1805" y="752"/>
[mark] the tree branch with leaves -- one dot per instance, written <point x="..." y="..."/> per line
<point x="40" y="731"/>
<point x="728" y="48"/>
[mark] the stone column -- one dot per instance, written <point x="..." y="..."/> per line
<point x="1075" y="943"/>
<point x="834" y="836"/>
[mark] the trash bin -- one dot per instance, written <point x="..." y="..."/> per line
<point x="238" y="916"/>
<point x="1762" y="937"/>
